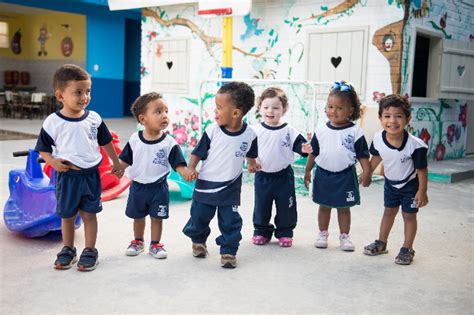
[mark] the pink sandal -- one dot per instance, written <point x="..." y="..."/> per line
<point x="260" y="240"/>
<point x="285" y="241"/>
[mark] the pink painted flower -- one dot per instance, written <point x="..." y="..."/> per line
<point x="425" y="135"/>
<point x="180" y="134"/>
<point x="186" y="121"/>
<point x="195" y="122"/>
<point x="193" y="142"/>
<point x="159" y="47"/>
<point x="450" y="131"/>
<point x="463" y="115"/>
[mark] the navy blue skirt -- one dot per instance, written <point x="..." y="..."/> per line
<point x="336" y="189"/>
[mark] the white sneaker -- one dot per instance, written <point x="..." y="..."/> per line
<point x="135" y="248"/>
<point x="322" y="240"/>
<point x="158" y="251"/>
<point x="346" y="243"/>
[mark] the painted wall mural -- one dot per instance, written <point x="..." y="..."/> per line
<point x="270" y="43"/>
<point x="44" y="35"/>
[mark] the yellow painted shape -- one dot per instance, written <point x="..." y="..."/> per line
<point x="227" y="42"/>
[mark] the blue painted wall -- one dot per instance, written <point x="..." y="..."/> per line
<point x="105" y="48"/>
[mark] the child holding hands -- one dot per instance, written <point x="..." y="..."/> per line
<point x="336" y="148"/>
<point x="406" y="175"/>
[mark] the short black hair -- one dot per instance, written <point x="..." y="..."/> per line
<point x="272" y="92"/>
<point x="395" y="100"/>
<point x="351" y="97"/>
<point x="66" y="73"/>
<point x="241" y="95"/>
<point x="141" y="103"/>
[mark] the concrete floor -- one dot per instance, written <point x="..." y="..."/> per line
<point x="269" y="279"/>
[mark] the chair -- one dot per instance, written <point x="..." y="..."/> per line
<point x="14" y="104"/>
<point x="37" y="105"/>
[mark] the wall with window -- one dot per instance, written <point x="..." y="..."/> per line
<point x="358" y="41"/>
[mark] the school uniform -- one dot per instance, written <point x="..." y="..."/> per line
<point x="76" y="140"/>
<point x="337" y="149"/>
<point x="219" y="185"/>
<point x="400" y="165"/>
<point x="150" y="164"/>
<point x="276" y="181"/>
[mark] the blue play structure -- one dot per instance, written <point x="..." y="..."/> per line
<point x="30" y="209"/>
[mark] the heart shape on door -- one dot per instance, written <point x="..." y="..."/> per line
<point x="336" y="61"/>
<point x="169" y="64"/>
<point x="461" y="70"/>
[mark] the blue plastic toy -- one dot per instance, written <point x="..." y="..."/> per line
<point x="30" y="209"/>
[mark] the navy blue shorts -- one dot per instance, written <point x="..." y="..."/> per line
<point x="148" y="199"/>
<point x="78" y="190"/>
<point x="404" y="197"/>
<point x="336" y="189"/>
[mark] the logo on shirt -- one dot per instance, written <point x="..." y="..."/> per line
<point x="160" y="157"/>
<point x="235" y="208"/>
<point x="243" y="148"/>
<point x="350" y="196"/>
<point x="162" y="209"/>
<point x="348" y="142"/>
<point x="93" y="132"/>
<point x="405" y="158"/>
<point x="286" y="142"/>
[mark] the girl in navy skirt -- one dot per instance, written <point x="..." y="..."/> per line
<point x="337" y="146"/>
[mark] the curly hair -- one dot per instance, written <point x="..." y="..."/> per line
<point x="66" y="73"/>
<point x="141" y="103"/>
<point x="272" y="92"/>
<point x="241" y="95"/>
<point x="350" y="95"/>
<point x="395" y="100"/>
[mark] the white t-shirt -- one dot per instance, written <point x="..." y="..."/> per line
<point x="151" y="161"/>
<point x="223" y="154"/>
<point x="337" y="148"/>
<point x="276" y="146"/>
<point x="400" y="164"/>
<point x="74" y="139"/>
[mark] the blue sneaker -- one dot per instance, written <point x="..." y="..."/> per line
<point x="89" y="259"/>
<point x="66" y="258"/>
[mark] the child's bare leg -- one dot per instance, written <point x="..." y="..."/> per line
<point x="90" y="228"/>
<point x="344" y="218"/>
<point x="410" y="228"/>
<point x="156" y="229"/>
<point x="139" y="228"/>
<point x="67" y="231"/>
<point x="387" y="223"/>
<point x="324" y="216"/>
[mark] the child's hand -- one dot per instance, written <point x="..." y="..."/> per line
<point x="117" y="169"/>
<point x="307" y="179"/>
<point x="306" y="148"/>
<point x="192" y="174"/>
<point x="60" y="165"/>
<point x="254" y="166"/>
<point x="365" y="179"/>
<point x="421" y="198"/>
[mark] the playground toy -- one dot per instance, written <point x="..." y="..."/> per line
<point x="30" y="208"/>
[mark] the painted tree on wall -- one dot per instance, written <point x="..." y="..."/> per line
<point x="389" y="41"/>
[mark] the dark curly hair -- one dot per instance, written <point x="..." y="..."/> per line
<point x="350" y="95"/>
<point x="272" y="92"/>
<point x="141" y="103"/>
<point x="66" y="73"/>
<point x="395" y="100"/>
<point x="241" y="95"/>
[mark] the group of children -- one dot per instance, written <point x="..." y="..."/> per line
<point x="70" y="138"/>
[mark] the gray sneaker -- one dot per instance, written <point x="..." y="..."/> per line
<point x="135" y="248"/>
<point x="228" y="261"/>
<point x="158" y="251"/>
<point x="200" y="250"/>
